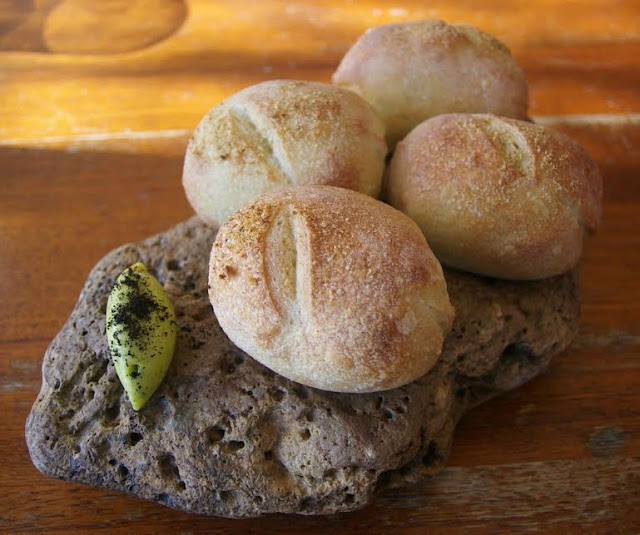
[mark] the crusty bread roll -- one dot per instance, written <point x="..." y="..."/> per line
<point x="415" y="70"/>
<point x="330" y="288"/>
<point x="497" y="196"/>
<point x="282" y="133"/>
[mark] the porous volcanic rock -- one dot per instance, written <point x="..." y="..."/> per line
<point x="224" y="435"/>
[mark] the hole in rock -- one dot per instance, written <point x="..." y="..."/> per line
<point x="131" y="439"/>
<point x="235" y="445"/>
<point x="111" y="413"/>
<point x="226" y="496"/>
<point x="278" y="394"/>
<point x="168" y="467"/>
<point x="215" y="434"/>
<point x="307" y="504"/>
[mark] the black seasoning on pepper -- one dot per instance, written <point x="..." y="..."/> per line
<point x="132" y="316"/>
<point x="141" y="331"/>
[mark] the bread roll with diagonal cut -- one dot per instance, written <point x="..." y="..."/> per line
<point x="330" y="288"/>
<point x="497" y="196"/>
<point x="277" y="134"/>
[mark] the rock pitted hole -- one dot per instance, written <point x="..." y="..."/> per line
<point x="305" y="435"/>
<point x="308" y="415"/>
<point x="215" y="434"/>
<point x="308" y="504"/>
<point x="234" y="446"/>
<point x="96" y="371"/>
<point x="349" y="499"/>
<point x="278" y="394"/>
<point x="329" y="474"/>
<point x="123" y="471"/>
<point x="519" y="353"/>
<point x="168" y="467"/>
<point x="131" y="439"/>
<point x="111" y="413"/>
<point x="174" y="264"/>
<point x="227" y="496"/>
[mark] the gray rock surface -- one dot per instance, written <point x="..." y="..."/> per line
<point x="225" y="436"/>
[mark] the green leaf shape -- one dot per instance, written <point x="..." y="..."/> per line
<point x="141" y="331"/>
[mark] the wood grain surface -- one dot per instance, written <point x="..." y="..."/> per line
<point x="97" y="100"/>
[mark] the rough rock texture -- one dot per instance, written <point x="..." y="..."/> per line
<point x="225" y="436"/>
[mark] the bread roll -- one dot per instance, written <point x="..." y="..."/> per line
<point x="330" y="288"/>
<point x="277" y="134"/>
<point x="415" y="70"/>
<point x="497" y="196"/>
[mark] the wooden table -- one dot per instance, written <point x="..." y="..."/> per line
<point x="96" y="103"/>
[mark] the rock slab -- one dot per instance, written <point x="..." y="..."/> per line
<point x="225" y="436"/>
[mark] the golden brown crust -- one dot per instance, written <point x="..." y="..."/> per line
<point x="330" y="288"/>
<point x="415" y="70"/>
<point x="282" y="133"/>
<point x="497" y="196"/>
